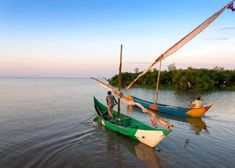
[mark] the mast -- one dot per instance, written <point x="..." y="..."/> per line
<point x="158" y="78"/>
<point x="120" y="80"/>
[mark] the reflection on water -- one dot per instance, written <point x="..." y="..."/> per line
<point x="43" y="123"/>
<point x="147" y="155"/>
<point x="196" y="124"/>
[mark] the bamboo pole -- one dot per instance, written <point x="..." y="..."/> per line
<point x="158" y="79"/>
<point x="120" y="80"/>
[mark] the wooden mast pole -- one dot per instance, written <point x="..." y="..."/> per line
<point x="120" y="80"/>
<point x="158" y="78"/>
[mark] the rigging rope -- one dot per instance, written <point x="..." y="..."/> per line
<point x="188" y="82"/>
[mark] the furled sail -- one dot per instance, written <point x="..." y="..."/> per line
<point x="183" y="41"/>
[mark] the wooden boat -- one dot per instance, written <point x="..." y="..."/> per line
<point x="130" y="127"/>
<point x="175" y="110"/>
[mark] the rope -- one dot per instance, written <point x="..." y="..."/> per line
<point x="191" y="86"/>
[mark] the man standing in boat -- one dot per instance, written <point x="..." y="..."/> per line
<point x="111" y="102"/>
<point x="197" y="103"/>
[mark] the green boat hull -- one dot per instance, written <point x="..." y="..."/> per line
<point x="130" y="127"/>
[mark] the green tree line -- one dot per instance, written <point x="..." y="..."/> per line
<point x="202" y="80"/>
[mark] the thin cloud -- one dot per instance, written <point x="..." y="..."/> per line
<point x="222" y="28"/>
<point x="226" y="28"/>
<point x="218" y="39"/>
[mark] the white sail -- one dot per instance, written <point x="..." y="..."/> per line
<point x="183" y="41"/>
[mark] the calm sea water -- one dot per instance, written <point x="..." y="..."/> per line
<point x="49" y="123"/>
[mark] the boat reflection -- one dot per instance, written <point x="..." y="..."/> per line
<point x="118" y="144"/>
<point x="147" y="155"/>
<point x="196" y="124"/>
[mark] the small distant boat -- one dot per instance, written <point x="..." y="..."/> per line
<point x="130" y="127"/>
<point x="175" y="110"/>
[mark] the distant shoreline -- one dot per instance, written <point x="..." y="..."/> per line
<point x="202" y="80"/>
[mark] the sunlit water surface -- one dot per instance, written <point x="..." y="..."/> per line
<point x="49" y="123"/>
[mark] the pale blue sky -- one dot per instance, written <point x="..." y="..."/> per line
<point x="72" y="38"/>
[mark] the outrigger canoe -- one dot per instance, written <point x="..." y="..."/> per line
<point x="175" y="110"/>
<point x="130" y="127"/>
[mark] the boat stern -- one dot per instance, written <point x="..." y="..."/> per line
<point x="150" y="137"/>
<point x="198" y="112"/>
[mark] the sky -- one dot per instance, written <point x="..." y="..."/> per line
<point x="77" y="38"/>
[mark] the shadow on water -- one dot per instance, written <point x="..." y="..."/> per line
<point x="147" y="155"/>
